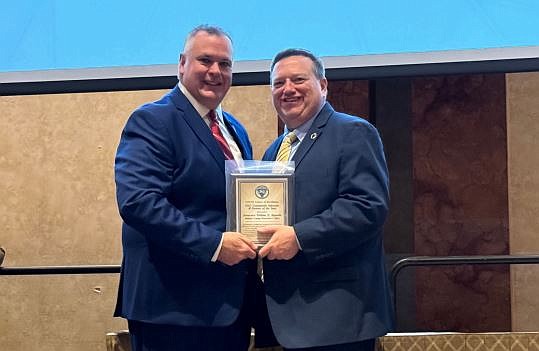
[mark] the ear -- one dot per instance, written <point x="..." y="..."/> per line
<point x="181" y="65"/>
<point x="324" y="86"/>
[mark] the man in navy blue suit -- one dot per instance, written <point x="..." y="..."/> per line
<point x="324" y="276"/>
<point x="185" y="284"/>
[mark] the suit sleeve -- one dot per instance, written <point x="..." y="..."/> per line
<point x="144" y="169"/>
<point x="358" y="212"/>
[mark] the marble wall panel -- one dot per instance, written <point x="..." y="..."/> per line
<point x="460" y="200"/>
<point x="253" y="107"/>
<point x="523" y="161"/>
<point x="350" y="96"/>
<point x="56" y="168"/>
<point x="58" y="208"/>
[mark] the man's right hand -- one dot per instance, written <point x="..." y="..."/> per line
<point x="236" y="247"/>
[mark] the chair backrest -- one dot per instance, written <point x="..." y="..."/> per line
<point x="118" y="341"/>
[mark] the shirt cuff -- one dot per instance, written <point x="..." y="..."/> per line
<point x="297" y="240"/>
<point x="218" y="250"/>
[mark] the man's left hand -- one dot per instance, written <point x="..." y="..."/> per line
<point x="283" y="244"/>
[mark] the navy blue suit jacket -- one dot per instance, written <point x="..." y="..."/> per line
<point x="170" y="187"/>
<point x="335" y="290"/>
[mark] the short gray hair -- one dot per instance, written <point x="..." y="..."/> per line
<point x="212" y="30"/>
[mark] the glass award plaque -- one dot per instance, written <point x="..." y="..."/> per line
<point x="256" y="200"/>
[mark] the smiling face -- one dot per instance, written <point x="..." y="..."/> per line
<point x="205" y="68"/>
<point x="297" y="93"/>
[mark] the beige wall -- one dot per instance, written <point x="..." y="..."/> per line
<point x="252" y="106"/>
<point x="58" y="208"/>
<point x="523" y="190"/>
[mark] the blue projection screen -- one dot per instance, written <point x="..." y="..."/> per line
<point x="64" y="39"/>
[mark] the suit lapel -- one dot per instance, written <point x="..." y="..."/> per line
<point x="313" y="134"/>
<point x="197" y="124"/>
<point x="236" y="135"/>
<point x="273" y="149"/>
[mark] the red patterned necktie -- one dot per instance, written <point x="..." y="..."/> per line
<point x="216" y="131"/>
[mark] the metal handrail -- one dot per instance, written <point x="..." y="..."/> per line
<point x="454" y="260"/>
<point x="47" y="270"/>
<point x="397" y="267"/>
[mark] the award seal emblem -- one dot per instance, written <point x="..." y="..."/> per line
<point x="261" y="191"/>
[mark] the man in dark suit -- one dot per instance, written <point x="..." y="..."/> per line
<point x="185" y="282"/>
<point x="324" y="276"/>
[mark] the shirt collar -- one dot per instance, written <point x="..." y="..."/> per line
<point x="201" y="109"/>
